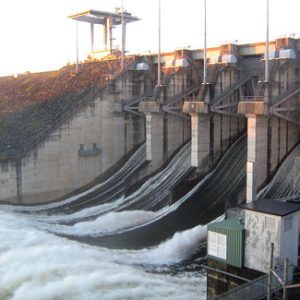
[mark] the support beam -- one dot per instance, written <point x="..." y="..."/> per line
<point x="123" y="40"/>
<point x="92" y="37"/>
<point x="123" y="23"/>
<point x="110" y="34"/>
<point x="159" y="46"/>
<point x="105" y="33"/>
<point x="77" y="48"/>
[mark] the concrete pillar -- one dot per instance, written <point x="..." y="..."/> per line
<point x="92" y="37"/>
<point x="200" y="140"/>
<point x="155" y="139"/>
<point x="257" y="154"/>
<point x="105" y="32"/>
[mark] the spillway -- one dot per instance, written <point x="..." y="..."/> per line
<point x="202" y="204"/>
<point x="285" y="184"/>
<point x="152" y="195"/>
<point x="110" y="189"/>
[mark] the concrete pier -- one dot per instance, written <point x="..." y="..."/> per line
<point x="155" y="139"/>
<point x="200" y="141"/>
<point x="257" y="154"/>
<point x="201" y="133"/>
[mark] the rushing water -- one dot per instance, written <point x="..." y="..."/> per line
<point x="37" y="265"/>
<point x="286" y="183"/>
<point x="156" y="250"/>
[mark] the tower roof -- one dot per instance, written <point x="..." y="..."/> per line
<point x="98" y="17"/>
<point x="273" y="207"/>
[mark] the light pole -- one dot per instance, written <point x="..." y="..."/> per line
<point x="267" y="46"/>
<point x="77" y="49"/>
<point x="159" y="45"/>
<point x="123" y="36"/>
<point x="205" y="48"/>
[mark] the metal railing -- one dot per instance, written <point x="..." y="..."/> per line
<point x="253" y="99"/>
<point x="252" y="290"/>
<point x="148" y="99"/>
<point x="257" y="288"/>
<point x="194" y="99"/>
<point x="231" y="89"/>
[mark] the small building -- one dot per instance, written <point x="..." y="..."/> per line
<point x="225" y="241"/>
<point x="248" y="243"/>
<point x="266" y="222"/>
<point x="239" y="247"/>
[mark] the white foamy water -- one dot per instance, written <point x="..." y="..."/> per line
<point x="107" y="223"/>
<point x="180" y="247"/>
<point x="36" y="265"/>
<point x="153" y="191"/>
<point x="81" y="214"/>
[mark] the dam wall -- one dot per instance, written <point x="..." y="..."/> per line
<point x="73" y="155"/>
<point x="131" y="109"/>
<point x="84" y="146"/>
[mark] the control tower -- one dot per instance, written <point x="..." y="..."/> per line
<point x="108" y="21"/>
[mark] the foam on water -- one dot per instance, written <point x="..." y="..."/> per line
<point x="180" y="247"/>
<point x="81" y="214"/>
<point x="37" y="265"/>
<point x="109" y="222"/>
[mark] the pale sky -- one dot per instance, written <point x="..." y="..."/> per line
<point x="36" y="34"/>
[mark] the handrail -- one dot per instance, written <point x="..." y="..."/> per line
<point x="182" y="94"/>
<point x="258" y="285"/>
<point x="231" y="89"/>
<point x="194" y="99"/>
<point x="137" y="99"/>
<point x="252" y="99"/>
<point x="260" y="282"/>
<point x="290" y="92"/>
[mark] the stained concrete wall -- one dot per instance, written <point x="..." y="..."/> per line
<point x="177" y="132"/>
<point x="258" y="241"/>
<point x="55" y="168"/>
<point x="259" y="238"/>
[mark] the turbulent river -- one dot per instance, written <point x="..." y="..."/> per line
<point x="102" y="244"/>
<point x="37" y="265"/>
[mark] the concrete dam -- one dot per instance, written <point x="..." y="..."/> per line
<point x="151" y="159"/>
<point x="152" y="176"/>
<point x="63" y="132"/>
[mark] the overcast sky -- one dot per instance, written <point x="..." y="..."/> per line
<point x="36" y="34"/>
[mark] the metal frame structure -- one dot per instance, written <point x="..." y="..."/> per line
<point x="108" y="20"/>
